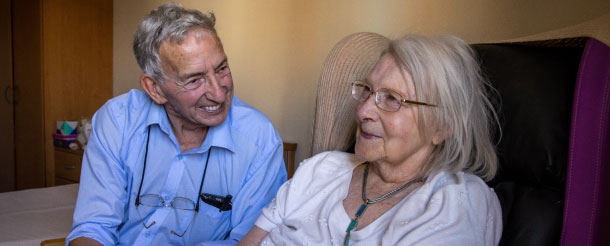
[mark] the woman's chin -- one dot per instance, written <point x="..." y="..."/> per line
<point x="367" y="153"/>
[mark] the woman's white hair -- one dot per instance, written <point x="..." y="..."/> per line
<point x="446" y="73"/>
<point x="171" y="22"/>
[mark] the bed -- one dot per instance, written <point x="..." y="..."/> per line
<point x="29" y="217"/>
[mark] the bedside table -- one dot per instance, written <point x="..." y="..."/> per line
<point x="67" y="165"/>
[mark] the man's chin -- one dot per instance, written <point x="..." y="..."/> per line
<point x="213" y="120"/>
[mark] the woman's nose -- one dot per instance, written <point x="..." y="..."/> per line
<point x="367" y="109"/>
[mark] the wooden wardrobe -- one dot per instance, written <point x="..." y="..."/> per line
<point x="60" y="69"/>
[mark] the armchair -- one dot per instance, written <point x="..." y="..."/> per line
<point x="554" y="107"/>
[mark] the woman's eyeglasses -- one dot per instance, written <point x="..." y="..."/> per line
<point x="385" y="99"/>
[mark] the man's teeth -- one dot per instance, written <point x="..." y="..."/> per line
<point x="211" y="108"/>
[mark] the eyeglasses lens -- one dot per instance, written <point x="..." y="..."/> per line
<point x="360" y="92"/>
<point x="185" y="211"/>
<point x="151" y="200"/>
<point x="387" y="100"/>
<point x="183" y="203"/>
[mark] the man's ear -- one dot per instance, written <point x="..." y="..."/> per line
<point x="152" y="88"/>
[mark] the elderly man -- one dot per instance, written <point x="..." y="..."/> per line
<point x="185" y="162"/>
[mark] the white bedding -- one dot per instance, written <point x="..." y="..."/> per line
<point x="29" y="217"/>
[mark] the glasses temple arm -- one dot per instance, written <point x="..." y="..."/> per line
<point x="143" y="168"/>
<point x="418" y="103"/>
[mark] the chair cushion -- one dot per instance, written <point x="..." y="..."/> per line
<point x="536" y="86"/>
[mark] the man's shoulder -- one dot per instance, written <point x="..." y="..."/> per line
<point x="243" y="113"/>
<point x="125" y="111"/>
<point x="132" y="103"/>
<point x="249" y="121"/>
<point x="132" y="99"/>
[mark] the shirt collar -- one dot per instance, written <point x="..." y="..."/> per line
<point x="218" y="136"/>
<point x="157" y="115"/>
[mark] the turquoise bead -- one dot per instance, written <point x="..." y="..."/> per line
<point x="361" y="210"/>
<point x="352" y="225"/>
<point x="354" y="222"/>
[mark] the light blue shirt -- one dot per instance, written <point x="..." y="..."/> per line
<point x="245" y="162"/>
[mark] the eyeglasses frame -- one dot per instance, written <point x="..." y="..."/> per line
<point x="377" y="101"/>
<point x="137" y="202"/>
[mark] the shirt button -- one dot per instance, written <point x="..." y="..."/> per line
<point x="147" y="234"/>
<point x="166" y="198"/>
<point x="179" y="157"/>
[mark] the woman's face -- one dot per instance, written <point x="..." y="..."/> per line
<point x="390" y="137"/>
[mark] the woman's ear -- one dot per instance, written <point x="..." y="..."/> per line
<point x="153" y="89"/>
<point x="439" y="136"/>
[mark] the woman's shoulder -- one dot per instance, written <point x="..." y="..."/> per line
<point x="459" y="207"/>
<point x="460" y="185"/>
<point x="333" y="157"/>
<point x="445" y="178"/>
<point x="460" y="193"/>
<point x="315" y="178"/>
<point x="327" y="165"/>
<point x="332" y="160"/>
<point x="454" y="193"/>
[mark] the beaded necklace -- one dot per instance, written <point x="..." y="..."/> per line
<point x="366" y="202"/>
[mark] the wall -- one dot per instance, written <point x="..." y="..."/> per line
<point x="276" y="48"/>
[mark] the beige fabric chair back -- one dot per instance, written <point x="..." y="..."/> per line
<point x="351" y="59"/>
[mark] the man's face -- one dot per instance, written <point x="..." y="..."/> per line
<point x="198" y="87"/>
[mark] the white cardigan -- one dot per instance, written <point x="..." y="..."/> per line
<point x="447" y="210"/>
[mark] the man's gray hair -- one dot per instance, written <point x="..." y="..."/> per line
<point x="446" y="73"/>
<point x="169" y="22"/>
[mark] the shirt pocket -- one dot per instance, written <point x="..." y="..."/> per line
<point x="211" y="223"/>
<point x="212" y="212"/>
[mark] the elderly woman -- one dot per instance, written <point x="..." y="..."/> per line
<point x="423" y="148"/>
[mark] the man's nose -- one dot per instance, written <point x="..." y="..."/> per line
<point x="215" y="91"/>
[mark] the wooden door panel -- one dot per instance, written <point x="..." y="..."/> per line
<point x="77" y="58"/>
<point x="7" y="146"/>
<point x="27" y="78"/>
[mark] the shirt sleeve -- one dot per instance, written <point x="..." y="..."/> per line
<point x="267" y="174"/>
<point x="291" y="196"/>
<point x="272" y="215"/>
<point x="102" y="195"/>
